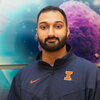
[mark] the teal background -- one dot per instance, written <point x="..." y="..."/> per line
<point x="6" y="76"/>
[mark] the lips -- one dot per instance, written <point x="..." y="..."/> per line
<point x="51" y="40"/>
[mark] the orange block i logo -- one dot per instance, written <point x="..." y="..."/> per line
<point x="68" y="75"/>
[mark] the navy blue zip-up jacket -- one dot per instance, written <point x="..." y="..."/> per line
<point x="71" y="78"/>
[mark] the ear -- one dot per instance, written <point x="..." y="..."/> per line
<point x="36" y="35"/>
<point x="68" y="31"/>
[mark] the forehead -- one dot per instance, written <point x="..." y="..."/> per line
<point x="51" y="16"/>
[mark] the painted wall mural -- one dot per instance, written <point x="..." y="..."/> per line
<point x="84" y="25"/>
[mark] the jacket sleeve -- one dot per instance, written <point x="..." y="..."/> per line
<point x="97" y="90"/>
<point x="14" y="93"/>
<point x="92" y="91"/>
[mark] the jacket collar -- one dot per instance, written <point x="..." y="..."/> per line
<point x="58" y="62"/>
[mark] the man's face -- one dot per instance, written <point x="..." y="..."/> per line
<point x="51" y="30"/>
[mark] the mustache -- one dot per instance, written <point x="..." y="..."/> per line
<point x="51" y="38"/>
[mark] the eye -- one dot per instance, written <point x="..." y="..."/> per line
<point x="43" y="27"/>
<point x="58" y="26"/>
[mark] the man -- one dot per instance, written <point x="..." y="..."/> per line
<point x="57" y="74"/>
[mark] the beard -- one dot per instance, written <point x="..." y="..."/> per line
<point x="52" y="45"/>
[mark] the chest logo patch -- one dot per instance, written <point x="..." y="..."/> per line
<point x="68" y="75"/>
<point x="33" y="81"/>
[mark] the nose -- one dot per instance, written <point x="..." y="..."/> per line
<point x="51" y="32"/>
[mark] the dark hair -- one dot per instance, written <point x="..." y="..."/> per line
<point x="52" y="8"/>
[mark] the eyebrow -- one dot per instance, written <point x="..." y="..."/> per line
<point x="55" y="22"/>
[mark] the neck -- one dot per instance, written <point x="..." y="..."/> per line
<point x="50" y="57"/>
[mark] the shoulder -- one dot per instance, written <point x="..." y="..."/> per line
<point x="83" y="62"/>
<point x="86" y="70"/>
<point x="30" y="66"/>
<point x="27" y="70"/>
<point x="82" y="65"/>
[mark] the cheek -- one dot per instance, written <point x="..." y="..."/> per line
<point x="61" y="34"/>
<point x="41" y="37"/>
<point x="41" y="33"/>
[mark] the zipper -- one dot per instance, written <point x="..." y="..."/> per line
<point x="50" y="84"/>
